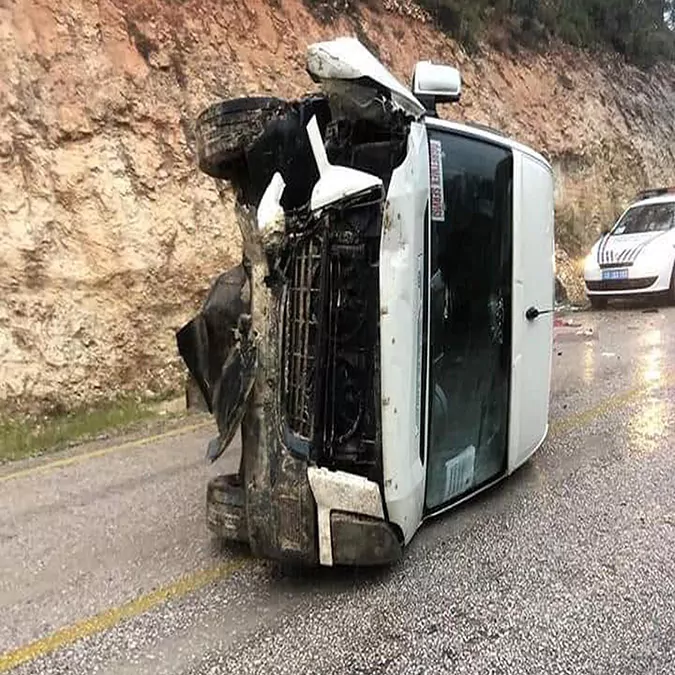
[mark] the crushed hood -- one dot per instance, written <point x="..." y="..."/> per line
<point x="347" y="59"/>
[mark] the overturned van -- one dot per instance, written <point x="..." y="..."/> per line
<point x="385" y="345"/>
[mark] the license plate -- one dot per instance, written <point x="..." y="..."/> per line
<point x="611" y="275"/>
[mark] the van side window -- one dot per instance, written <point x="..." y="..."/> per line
<point x="470" y="305"/>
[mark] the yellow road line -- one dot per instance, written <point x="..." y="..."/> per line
<point x="197" y="580"/>
<point x="112" y="617"/>
<point x="606" y="406"/>
<point x="76" y="459"/>
<point x="558" y="427"/>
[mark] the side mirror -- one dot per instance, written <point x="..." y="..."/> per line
<point x="434" y="83"/>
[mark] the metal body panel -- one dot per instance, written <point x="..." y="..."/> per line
<point x="533" y="286"/>
<point x="347" y="59"/>
<point x="401" y="316"/>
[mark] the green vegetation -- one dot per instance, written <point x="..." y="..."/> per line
<point x="642" y="31"/>
<point x="24" y="436"/>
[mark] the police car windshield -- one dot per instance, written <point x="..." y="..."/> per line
<point x="648" y="218"/>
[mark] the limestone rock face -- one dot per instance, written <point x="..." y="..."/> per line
<point x="109" y="236"/>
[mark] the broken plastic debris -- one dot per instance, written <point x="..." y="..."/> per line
<point x="270" y="212"/>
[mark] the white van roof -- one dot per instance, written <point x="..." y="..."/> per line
<point x="485" y="133"/>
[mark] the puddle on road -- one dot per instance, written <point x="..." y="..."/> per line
<point x="649" y="424"/>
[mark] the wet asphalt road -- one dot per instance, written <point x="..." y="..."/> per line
<point x="567" y="567"/>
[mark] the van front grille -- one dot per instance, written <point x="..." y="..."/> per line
<point x="330" y="398"/>
<point x="621" y="284"/>
<point x="301" y="317"/>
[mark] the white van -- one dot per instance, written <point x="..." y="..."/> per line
<point x="385" y="345"/>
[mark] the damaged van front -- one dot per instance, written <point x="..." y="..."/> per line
<point x="345" y="345"/>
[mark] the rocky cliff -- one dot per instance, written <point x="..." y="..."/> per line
<point x="108" y="234"/>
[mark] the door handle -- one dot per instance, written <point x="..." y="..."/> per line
<point x="534" y="312"/>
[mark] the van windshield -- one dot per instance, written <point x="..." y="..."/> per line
<point x="648" y="218"/>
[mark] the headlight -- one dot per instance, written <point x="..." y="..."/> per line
<point x="657" y="252"/>
<point x="590" y="259"/>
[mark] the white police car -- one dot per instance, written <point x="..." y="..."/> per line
<point x="637" y="255"/>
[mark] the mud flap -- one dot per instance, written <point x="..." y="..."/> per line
<point x="220" y="352"/>
<point x="233" y="387"/>
<point x="192" y="340"/>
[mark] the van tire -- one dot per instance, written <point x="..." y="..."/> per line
<point x="226" y="130"/>
<point x="226" y="508"/>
